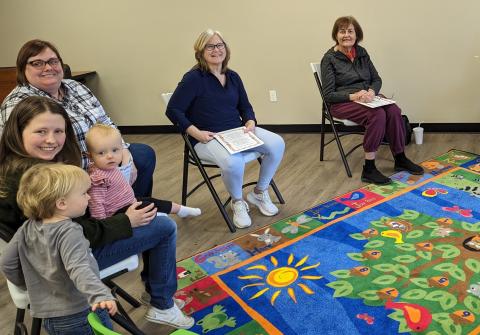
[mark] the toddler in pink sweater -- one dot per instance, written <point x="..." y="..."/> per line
<point x="111" y="190"/>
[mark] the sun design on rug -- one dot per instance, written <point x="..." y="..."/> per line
<point x="280" y="278"/>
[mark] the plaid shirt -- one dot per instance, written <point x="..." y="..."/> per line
<point x="81" y="105"/>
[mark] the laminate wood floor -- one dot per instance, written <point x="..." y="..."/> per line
<point x="303" y="180"/>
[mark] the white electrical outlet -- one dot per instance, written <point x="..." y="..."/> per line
<point x="273" y="96"/>
<point x="166" y="97"/>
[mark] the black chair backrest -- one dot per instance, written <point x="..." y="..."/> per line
<point x="67" y="73"/>
<point x="316" y="74"/>
<point x="6" y="233"/>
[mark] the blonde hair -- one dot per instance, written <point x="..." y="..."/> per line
<point x="43" y="184"/>
<point x="199" y="48"/>
<point x="101" y="129"/>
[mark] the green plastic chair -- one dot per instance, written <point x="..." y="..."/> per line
<point x="183" y="332"/>
<point x="98" y="327"/>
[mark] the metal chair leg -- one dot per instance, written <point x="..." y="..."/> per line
<point x="215" y="196"/>
<point x="185" y="175"/>
<point x="121" y="310"/>
<point x="36" y="326"/>
<point x="339" y="144"/>
<point x="277" y="192"/>
<point x="121" y="292"/>
<point x="127" y="325"/>
<point x="322" y="136"/>
<point x="20" y="328"/>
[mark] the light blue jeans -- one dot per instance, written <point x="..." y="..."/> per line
<point x="233" y="166"/>
<point x="75" y="324"/>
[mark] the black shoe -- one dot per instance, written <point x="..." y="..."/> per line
<point x="373" y="176"/>
<point x="409" y="166"/>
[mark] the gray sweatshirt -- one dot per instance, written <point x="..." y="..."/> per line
<point x="341" y="77"/>
<point x="54" y="263"/>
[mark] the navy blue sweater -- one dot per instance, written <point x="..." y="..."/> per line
<point x="202" y="101"/>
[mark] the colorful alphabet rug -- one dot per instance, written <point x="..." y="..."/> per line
<point x="392" y="259"/>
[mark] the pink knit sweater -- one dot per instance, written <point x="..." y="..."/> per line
<point x="110" y="192"/>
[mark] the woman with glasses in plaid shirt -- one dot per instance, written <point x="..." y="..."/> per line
<point x="40" y="73"/>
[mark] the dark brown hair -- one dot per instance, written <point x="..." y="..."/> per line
<point x="30" y="49"/>
<point x="13" y="156"/>
<point x="344" y="22"/>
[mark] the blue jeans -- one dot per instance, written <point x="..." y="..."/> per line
<point x="157" y="241"/>
<point x="144" y="160"/>
<point x="75" y="324"/>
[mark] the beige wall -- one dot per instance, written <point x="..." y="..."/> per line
<point x="424" y="50"/>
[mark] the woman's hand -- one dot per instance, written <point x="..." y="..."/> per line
<point x="110" y="305"/>
<point x="358" y="96"/>
<point x="369" y="96"/>
<point x="249" y="126"/>
<point x="202" y="136"/>
<point x="126" y="159"/>
<point x="142" y="216"/>
<point x="126" y="156"/>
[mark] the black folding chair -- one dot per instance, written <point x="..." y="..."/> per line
<point x="334" y="122"/>
<point x="190" y="157"/>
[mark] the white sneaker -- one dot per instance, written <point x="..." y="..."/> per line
<point x="145" y="300"/>
<point x="240" y="209"/>
<point x="173" y="317"/>
<point x="263" y="202"/>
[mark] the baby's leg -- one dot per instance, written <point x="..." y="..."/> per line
<point x="169" y="207"/>
<point x="162" y="206"/>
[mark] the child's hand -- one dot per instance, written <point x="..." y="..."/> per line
<point x="110" y="305"/>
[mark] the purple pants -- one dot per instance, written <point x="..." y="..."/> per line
<point x="385" y="121"/>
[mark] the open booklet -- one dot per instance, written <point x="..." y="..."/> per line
<point x="237" y="140"/>
<point x="378" y="101"/>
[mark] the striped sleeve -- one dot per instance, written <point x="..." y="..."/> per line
<point x="96" y="204"/>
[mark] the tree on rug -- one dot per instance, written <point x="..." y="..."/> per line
<point x="426" y="268"/>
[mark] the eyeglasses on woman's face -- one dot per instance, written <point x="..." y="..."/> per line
<point x="211" y="47"/>
<point x="40" y="63"/>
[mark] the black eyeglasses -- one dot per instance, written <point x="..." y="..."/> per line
<point x="40" y="64"/>
<point x="211" y="47"/>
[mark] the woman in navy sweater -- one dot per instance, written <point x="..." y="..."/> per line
<point x="211" y="98"/>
